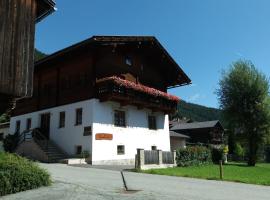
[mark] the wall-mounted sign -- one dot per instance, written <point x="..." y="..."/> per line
<point x="104" y="136"/>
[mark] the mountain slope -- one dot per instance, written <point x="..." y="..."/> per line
<point x="197" y="112"/>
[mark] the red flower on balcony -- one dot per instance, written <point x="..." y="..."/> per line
<point x="141" y="88"/>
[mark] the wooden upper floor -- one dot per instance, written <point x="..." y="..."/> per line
<point x="73" y="74"/>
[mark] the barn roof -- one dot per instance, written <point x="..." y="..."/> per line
<point x="196" y="125"/>
<point x="174" y="134"/>
<point x="176" y="76"/>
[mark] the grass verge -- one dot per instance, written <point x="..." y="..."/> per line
<point x="237" y="172"/>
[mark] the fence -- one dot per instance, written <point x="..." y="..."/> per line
<point x="167" y="157"/>
<point x="146" y="159"/>
<point x="150" y="157"/>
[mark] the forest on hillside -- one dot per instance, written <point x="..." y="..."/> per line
<point x="197" y="112"/>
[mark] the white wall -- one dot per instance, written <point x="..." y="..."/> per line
<point x="68" y="137"/>
<point x="135" y="135"/>
<point x="101" y="117"/>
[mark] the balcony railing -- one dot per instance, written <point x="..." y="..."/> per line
<point x="129" y="93"/>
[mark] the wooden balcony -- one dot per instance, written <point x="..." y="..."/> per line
<point x="129" y="93"/>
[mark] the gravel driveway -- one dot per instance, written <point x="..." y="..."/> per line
<point x="90" y="183"/>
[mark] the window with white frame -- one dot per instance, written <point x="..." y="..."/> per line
<point x="120" y="149"/>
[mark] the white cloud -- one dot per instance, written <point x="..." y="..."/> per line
<point x="239" y="54"/>
<point x="194" y="97"/>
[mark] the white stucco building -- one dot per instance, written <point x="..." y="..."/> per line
<point x="122" y="110"/>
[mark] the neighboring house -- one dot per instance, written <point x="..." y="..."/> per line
<point x="106" y="95"/>
<point x="208" y="132"/>
<point x="177" y="140"/>
<point x="4" y="131"/>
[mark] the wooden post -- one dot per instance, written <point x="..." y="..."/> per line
<point x="221" y="169"/>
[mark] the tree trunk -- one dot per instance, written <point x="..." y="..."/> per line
<point x="253" y="148"/>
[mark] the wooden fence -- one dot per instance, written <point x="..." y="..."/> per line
<point x="151" y="157"/>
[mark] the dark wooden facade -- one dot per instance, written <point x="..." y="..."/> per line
<point x="74" y="74"/>
<point x="17" y="31"/>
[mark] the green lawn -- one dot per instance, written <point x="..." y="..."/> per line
<point x="232" y="172"/>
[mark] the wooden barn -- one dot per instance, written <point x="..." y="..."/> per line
<point x="207" y="132"/>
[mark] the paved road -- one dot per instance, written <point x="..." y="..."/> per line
<point x="99" y="184"/>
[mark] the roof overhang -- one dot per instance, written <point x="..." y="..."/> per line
<point x="177" y="75"/>
<point x="44" y="8"/>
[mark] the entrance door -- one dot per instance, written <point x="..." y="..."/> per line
<point x="45" y="125"/>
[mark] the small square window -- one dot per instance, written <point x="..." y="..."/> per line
<point x="119" y="118"/>
<point x="78" y="116"/>
<point x="28" y="124"/>
<point x="128" y="60"/>
<point x="62" y="119"/>
<point x="79" y="150"/>
<point x="153" y="148"/>
<point x="87" y="131"/>
<point x="120" y="149"/>
<point x="152" y="124"/>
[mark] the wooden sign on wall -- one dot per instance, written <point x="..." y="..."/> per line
<point x="104" y="136"/>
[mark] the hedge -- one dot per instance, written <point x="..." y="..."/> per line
<point x="193" y="155"/>
<point x="19" y="174"/>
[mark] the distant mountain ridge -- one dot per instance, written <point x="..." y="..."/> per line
<point x="197" y="112"/>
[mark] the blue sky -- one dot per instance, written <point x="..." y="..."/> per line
<point x="204" y="37"/>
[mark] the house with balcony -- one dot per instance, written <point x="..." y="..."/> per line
<point x="106" y="96"/>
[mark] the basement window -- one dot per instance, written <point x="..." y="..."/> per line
<point x="153" y="148"/>
<point x="120" y="149"/>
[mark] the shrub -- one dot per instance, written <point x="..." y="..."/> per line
<point x="267" y="154"/>
<point x="19" y="174"/>
<point x="193" y="155"/>
<point x="217" y="155"/>
<point x="10" y="142"/>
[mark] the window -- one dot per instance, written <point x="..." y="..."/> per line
<point x="128" y="60"/>
<point x="153" y="148"/>
<point x="18" y="126"/>
<point x="79" y="149"/>
<point x="120" y="149"/>
<point x="152" y="122"/>
<point x="87" y="131"/>
<point x="78" y="116"/>
<point x="1" y="136"/>
<point x="28" y="124"/>
<point x="62" y="119"/>
<point x="119" y="118"/>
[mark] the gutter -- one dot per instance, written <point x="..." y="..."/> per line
<point x="51" y="4"/>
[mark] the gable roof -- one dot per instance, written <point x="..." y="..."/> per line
<point x="177" y="78"/>
<point x="197" y="125"/>
<point x="175" y="134"/>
